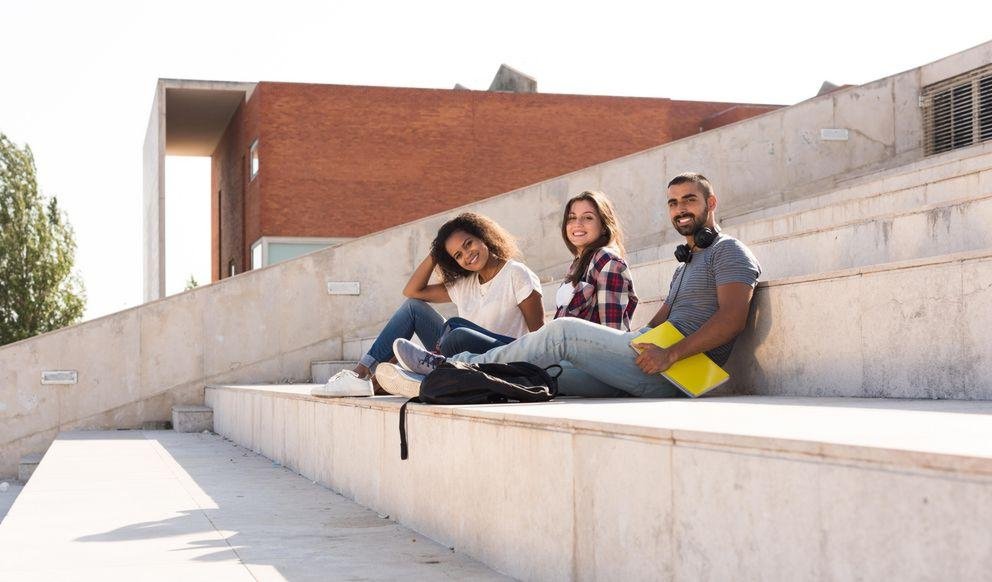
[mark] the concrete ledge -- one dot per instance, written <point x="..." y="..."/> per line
<point x="192" y="418"/>
<point x="27" y="465"/>
<point x="670" y="489"/>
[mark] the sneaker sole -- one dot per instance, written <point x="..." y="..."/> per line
<point x="319" y="391"/>
<point x="398" y="381"/>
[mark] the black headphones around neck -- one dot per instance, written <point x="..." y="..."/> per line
<point x="703" y="238"/>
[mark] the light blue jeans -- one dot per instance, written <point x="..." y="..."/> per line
<point x="602" y="362"/>
<point x="450" y="337"/>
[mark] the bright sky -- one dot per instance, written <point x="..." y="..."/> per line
<point x="78" y="78"/>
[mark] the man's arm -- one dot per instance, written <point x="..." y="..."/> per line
<point x="734" y="300"/>
<point x="662" y="315"/>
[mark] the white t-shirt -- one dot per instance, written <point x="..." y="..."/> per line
<point x="564" y="295"/>
<point x="494" y="304"/>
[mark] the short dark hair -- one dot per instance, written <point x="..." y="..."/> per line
<point x="500" y="243"/>
<point x="694" y="178"/>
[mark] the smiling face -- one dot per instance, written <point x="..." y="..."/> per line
<point x="583" y="225"/>
<point x="689" y="209"/>
<point x="469" y="251"/>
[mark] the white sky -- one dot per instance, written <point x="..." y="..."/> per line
<point x="77" y="78"/>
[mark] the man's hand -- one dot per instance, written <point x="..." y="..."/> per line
<point x="654" y="360"/>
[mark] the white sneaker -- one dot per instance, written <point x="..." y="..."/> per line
<point x="344" y="383"/>
<point x="398" y="381"/>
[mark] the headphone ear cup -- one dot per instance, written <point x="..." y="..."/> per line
<point x="705" y="237"/>
<point x="683" y="253"/>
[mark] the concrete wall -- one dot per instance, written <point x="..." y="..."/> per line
<point x="269" y="324"/>
<point x="916" y="329"/>
<point x="153" y="200"/>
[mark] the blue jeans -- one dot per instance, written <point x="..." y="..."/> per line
<point x="602" y="362"/>
<point x="461" y="335"/>
<point x="418" y="317"/>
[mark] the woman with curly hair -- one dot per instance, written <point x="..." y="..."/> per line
<point x="598" y="286"/>
<point x="498" y="300"/>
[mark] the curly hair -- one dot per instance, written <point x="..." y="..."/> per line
<point x="500" y="243"/>
<point x="612" y="233"/>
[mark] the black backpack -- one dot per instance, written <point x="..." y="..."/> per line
<point x="460" y="383"/>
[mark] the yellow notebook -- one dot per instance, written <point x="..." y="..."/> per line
<point x="695" y="375"/>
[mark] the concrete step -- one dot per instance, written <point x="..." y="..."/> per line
<point x="27" y="466"/>
<point x="134" y="505"/>
<point x="192" y="418"/>
<point x="929" y="170"/>
<point x="911" y="329"/>
<point x="875" y="196"/>
<point x="731" y="488"/>
<point x="322" y="370"/>
<point x="889" y="192"/>
<point x="945" y="228"/>
<point x="355" y="348"/>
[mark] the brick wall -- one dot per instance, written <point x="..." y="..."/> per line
<point x="344" y="161"/>
<point x="234" y="206"/>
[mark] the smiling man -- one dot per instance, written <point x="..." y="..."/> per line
<point x="708" y="301"/>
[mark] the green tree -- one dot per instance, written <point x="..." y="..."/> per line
<point x="38" y="290"/>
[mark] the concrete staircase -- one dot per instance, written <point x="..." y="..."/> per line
<point x="731" y="488"/>
<point x="852" y="443"/>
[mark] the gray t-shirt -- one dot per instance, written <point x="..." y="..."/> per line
<point x="727" y="260"/>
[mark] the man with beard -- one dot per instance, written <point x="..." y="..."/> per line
<point x="708" y="301"/>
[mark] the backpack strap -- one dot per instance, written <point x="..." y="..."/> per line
<point x="553" y="378"/>
<point x="403" y="448"/>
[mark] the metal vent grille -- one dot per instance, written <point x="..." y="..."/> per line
<point x="958" y="112"/>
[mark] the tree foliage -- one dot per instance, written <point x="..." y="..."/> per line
<point x="38" y="290"/>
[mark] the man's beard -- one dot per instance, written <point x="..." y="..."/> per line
<point x="697" y="223"/>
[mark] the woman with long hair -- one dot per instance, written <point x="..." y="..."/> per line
<point x="598" y="286"/>
<point x="498" y="300"/>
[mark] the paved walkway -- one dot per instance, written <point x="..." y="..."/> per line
<point x="158" y="505"/>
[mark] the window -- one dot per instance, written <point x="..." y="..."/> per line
<point x="256" y="255"/>
<point x="253" y="160"/>
<point x="958" y="112"/>
<point x="269" y="250"/>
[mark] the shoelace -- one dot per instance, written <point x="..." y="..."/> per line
<point x="431" y="360"/>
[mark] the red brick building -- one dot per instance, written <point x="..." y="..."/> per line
<point x="298" y="166"/>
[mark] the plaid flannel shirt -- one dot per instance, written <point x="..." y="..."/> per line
<point x="605" y="294"/>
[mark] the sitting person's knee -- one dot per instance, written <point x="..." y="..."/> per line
<point x="414" y="304"/>
<point x="456" y="322"/>
<point x="453" y="339"/>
